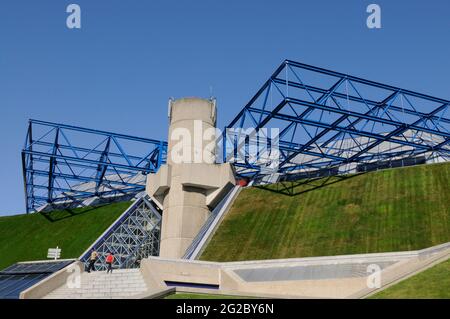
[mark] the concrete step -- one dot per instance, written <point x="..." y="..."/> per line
<point x="122" y="283"/>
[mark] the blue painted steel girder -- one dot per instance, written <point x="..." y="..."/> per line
<point x="290" y="118"/>
<point x="105" y="160"/>
<point x="376" y="104"/>
<point x="80" y="178"/>
<point x="95" y="162"/>
<point x="57" y="157"/>
<point x="362" y="81"/>
<point x="265" y="115"/>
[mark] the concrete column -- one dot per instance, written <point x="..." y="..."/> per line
<point x="194" y="116"/>
<point x="191" y="183"/>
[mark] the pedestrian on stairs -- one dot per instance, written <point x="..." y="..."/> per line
<point x="92" y="260"/>
<point x="109" y="262"/>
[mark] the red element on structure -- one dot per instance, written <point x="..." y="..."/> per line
<point x="242" y="182"/>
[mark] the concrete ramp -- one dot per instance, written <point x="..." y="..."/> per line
<point x="210" y="226"/>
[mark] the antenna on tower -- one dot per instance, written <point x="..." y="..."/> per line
<point x="169" y="107"/>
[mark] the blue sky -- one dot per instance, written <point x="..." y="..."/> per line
<point x="129" y="57"/>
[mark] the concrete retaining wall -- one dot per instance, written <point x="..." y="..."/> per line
<point x="52" y="282"/>
<point x="315" y="277"/>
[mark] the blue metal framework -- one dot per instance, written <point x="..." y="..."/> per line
<point x="326" y="121"/>
<point x="330" y="119"/>
<point x="63" y="163"/>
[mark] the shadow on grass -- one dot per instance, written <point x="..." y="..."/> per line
<point x="294" y="188"/>
<point x="55" y="216"/>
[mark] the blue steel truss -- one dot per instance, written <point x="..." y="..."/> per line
<point x="330" y="119"/>
<point x="63" y="163"/>
<point x="326" y="120"/>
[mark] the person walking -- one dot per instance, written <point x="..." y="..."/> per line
<point x="92" y="260"/>
<point x="109" y="262"/>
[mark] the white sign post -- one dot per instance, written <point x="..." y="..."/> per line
<point x="54" y="253"/>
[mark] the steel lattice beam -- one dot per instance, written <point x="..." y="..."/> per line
<point x="325" y="119"/>
<point x="63" y="163"/>
<point x="333" y="119"/>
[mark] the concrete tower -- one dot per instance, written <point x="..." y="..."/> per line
<point x="190" y="184"/>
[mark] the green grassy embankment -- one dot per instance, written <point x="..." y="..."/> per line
<point x="389" y="210"/>
<point x="433" y="283"/>
<point x="28" y="237"/>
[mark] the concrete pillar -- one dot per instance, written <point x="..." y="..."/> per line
<point x="190" y="184"/>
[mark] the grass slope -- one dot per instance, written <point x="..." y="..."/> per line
<point x="389" y="210"/>
<point x="433" y="283"/>
<point x="27" y="237"/>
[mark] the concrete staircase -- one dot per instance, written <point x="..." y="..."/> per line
<point x="122" y="283"/>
